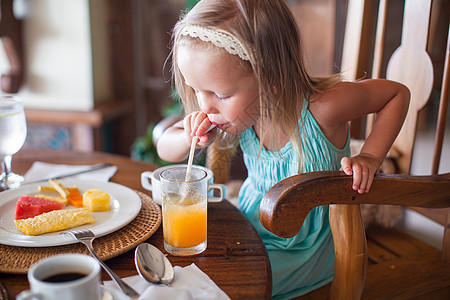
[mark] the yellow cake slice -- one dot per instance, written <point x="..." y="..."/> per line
<point x="54" y="221"/>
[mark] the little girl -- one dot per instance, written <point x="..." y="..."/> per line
<point x="237" y="64"/>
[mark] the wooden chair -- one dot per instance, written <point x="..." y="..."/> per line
<point x="287" y="204"/>
<point x="387" y="263"/>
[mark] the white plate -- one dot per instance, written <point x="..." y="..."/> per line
<point x="124" y="207"/>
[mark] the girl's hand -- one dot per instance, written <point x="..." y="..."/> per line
<point x="197" y="124"/>
<point x="363" y="168"/>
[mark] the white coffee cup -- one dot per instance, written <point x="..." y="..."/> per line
<point x="48" y="278"/>
<point x="150" y="181"/>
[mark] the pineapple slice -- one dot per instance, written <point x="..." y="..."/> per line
<point x="46" y="188"/>
<point x="63" y="191"/>
<point x="52" y="198"/>
<point x="49" y="193"/>
<point x="96" y="200"/>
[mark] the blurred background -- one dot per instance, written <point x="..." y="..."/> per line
<point x="93" y="74"/>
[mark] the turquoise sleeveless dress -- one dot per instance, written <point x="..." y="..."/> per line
<point x="304" y="262"/>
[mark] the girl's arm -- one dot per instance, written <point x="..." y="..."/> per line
<point x="174" y="144"/>
<point x="349" y="101"/>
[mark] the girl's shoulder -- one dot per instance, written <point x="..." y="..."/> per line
<point x="325" y="103"/>
<point x="329" y="96"/>
<point x="327" y="108"/>
<point x="330" y="108"/>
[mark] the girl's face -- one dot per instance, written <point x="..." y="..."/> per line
<point x="227" y="94"/>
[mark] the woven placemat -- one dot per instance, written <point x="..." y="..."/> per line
<point x="17" y="260"/>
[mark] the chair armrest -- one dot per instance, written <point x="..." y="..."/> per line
<point x="286" y="205"/>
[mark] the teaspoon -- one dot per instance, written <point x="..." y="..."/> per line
<point x="152" y="264"/>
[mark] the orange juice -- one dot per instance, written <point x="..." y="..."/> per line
<point x="184" y="224"/>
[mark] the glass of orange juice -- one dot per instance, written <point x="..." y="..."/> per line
<point x="184" y="210"/>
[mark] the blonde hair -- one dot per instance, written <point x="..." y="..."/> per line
<point x="270" y="29"/>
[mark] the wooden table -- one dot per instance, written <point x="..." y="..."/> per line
<point x="236" y="259"/>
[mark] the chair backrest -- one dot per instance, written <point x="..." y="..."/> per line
<point x="411" y="65"/>
<point x="280" y="209"/>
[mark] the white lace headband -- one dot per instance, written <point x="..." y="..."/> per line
<point x="219" y="38"/>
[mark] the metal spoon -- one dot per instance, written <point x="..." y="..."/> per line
<point x="152" y="264"/>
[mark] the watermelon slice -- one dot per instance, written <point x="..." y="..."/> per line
<point x="29" y="207"/>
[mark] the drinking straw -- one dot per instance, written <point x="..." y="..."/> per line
<point x="191" y="158"/>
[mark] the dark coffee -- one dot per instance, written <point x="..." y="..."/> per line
<point x="64" y="277"/>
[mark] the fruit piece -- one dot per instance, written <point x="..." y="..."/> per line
<point x="52" y="198"/>
<point x="75" y="197"/>
<point x="29" y="207"/>
<point x="96" y="200"/>
<point x="63" y="192"/>
<point x="46" y="188"/>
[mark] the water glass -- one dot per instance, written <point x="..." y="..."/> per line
<point x="13" y="132"/>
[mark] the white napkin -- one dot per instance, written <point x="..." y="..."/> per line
<point x="41" y="170"/>
<point x="189" y="283"/>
